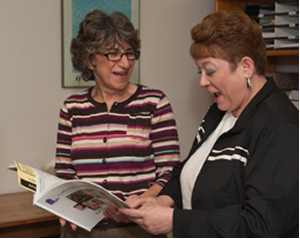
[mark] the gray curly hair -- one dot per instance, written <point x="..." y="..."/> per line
<point x="97" y="31"/>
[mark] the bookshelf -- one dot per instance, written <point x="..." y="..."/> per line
<point x="277" y="52"/>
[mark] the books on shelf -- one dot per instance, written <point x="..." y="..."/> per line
<point x="293" y="94"/>
<point x="294" y="97"/>
<point x="287" y="45"/>
<point x="269" y="26"/>
<point x="279" y="23"/>
<point x="269" y="35"/>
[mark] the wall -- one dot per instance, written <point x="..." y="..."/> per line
<point x="166" y="63"/>
<point x="30" y="63"/>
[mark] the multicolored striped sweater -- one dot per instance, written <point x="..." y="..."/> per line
<point x="124" y="150"/>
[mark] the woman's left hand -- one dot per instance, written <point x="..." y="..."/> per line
<point x="114" y="214"/>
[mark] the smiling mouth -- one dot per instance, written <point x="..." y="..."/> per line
<point x="216" y="96"/>
<point x="121" y="74"/>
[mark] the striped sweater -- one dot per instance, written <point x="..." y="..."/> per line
<point x="125" y="150"/>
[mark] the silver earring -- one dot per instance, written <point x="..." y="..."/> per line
<point x="249" y="82"/>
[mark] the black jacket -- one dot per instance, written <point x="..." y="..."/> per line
<point x="249" y="184"/>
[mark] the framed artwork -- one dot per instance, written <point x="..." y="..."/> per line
<point x="73" y="12"/>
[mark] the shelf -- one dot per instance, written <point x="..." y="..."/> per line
<point x="288" y="25"/>
<point x="263" y="15"/>
<point x="239" y="4"/>
<point x="236" y="4"/>
<point x="293" y="52"/>
<point x="285" y="24"/>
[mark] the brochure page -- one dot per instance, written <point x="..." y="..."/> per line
<point x="78" y="201"/>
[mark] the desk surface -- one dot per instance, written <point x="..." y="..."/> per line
<point x="18" y="209"/>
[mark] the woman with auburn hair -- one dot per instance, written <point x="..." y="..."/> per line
<point x="241" y="177"/>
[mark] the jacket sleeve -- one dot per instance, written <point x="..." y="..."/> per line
<point x="271" y="205"/>
<point x="173" y="188"/>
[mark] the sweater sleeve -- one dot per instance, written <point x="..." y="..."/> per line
<point x="165" y="142"/>
<point x="63" y="163"/>
<point x="271" y="203"/>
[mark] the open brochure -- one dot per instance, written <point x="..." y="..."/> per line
<point x="78" y="201"/>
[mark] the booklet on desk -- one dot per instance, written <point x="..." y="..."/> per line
<point x="78" y="201"/>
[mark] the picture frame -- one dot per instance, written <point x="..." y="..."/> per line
<point x="73" y="12"/>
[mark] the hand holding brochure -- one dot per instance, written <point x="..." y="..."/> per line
<point x="78" y="201"/>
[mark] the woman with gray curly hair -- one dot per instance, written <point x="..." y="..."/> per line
<point x="117" y="134"/>
<point x="98" y="31"/>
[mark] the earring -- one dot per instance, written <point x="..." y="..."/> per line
<point x="249" y="85"/>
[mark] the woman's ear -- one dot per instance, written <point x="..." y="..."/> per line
<point x="90" y="63"/>
<point x="248" y="67"/>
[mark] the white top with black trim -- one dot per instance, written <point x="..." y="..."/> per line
<point x="193" y="166"/>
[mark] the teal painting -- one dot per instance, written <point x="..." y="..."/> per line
<point x="82" y="7"/>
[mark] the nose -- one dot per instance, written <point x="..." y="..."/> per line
<point x="124" y="62"/>
<point x="203" y="81"/>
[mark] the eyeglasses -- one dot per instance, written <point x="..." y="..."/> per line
<point x="116" y="56"/>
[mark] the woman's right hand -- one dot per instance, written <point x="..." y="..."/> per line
<point x="154" y="215"/>
<point x="63" y="222"/>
